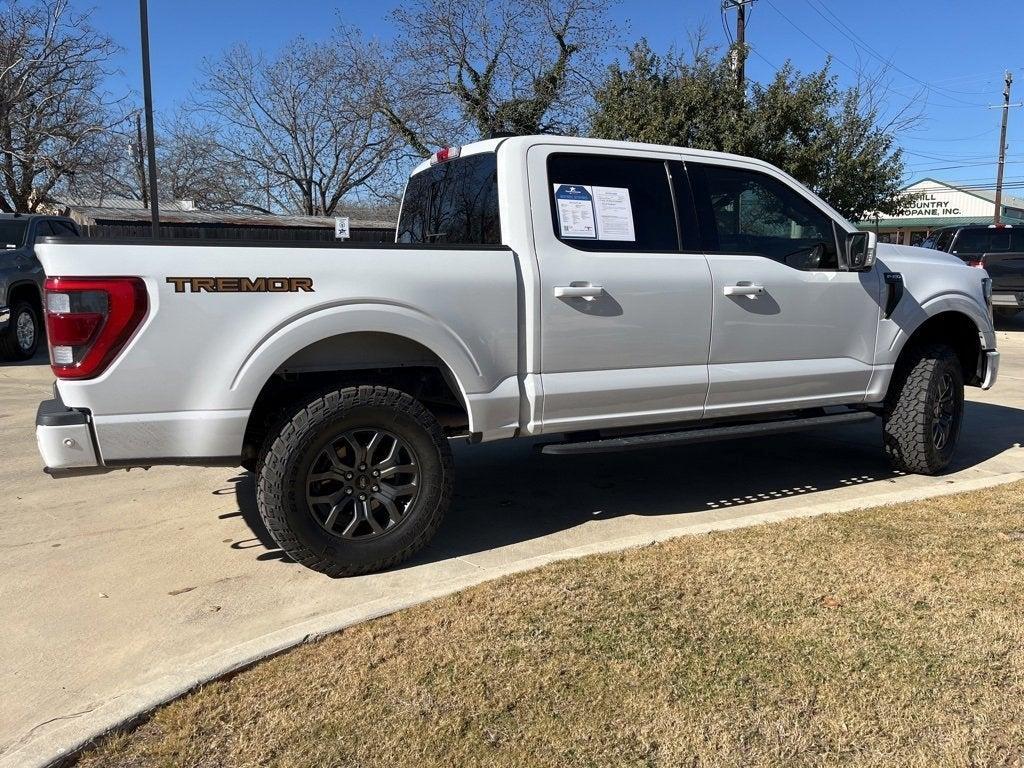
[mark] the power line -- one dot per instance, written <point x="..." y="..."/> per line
<point x="857" y="71"/>
<point x="853" y="37"/>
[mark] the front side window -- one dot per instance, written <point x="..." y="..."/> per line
<point x="749" y="212"/>
<point x="453" y="202"/>
<point x="944" y="240"/>
<point x="607" y="203"/>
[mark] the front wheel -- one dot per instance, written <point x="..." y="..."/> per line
<point x="924" y="410"/>
<point x="356" y="481"/>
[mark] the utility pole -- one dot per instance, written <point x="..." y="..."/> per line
<point x="147" y="90"/>
<point x="1002" y="148"/>
<point x="740" y="49"/>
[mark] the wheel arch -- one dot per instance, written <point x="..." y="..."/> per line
<point x="956" y="328"/>
<point x="27" y="290"/>
<point x="360" y="357"/>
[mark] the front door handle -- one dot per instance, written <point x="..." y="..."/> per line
<point x="743" y="289"/>
<point x="586" y="292"/>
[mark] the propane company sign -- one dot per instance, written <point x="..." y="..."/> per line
<point x="932" y="204"/>
<point x="933" y="199"/>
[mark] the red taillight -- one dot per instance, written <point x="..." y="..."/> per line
<point x="89" y="320"/>
<point x="979" y="263"/>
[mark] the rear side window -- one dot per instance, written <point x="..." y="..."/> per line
<point x="745" y="211"/>
<point x="453" y="202"/>
<point x="605" y="203"/>
<point x="973" y="241"/>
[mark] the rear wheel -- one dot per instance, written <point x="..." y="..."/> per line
<point x="24" y="332"/>
<point x="921" y="423"/>
<point x="356" y="481"/>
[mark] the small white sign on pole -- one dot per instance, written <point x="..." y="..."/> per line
<point x="341" y="227"/>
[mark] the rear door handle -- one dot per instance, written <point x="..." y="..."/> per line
<point x="743" y="289"/>
<point x="587" y="292"/>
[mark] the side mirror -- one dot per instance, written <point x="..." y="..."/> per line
<point x="860" y="250"/>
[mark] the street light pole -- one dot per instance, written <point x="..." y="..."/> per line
<point x="147" y="90"/>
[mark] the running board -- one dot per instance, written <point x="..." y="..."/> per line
<point x="707" y="435"/>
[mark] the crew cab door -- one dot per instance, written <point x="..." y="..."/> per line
<point x="625" y="294"/>
<point x="791" y="328"/>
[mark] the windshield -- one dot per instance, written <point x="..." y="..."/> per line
<point x="453" y="202"/>
<point x="12" y="233"/>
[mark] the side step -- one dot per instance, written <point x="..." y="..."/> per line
<point x="707" y="435"/>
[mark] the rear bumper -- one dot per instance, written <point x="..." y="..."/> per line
<point x="65" y="440"/>
<point x="991" y="369"/>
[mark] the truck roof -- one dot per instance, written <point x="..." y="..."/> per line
<point x="31" y="216"/>
<point x="491" y="145"/>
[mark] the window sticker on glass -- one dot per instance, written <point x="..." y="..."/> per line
<point x="614" y="214"/>
<point x="575" y="205"/>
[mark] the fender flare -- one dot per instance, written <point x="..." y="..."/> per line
<point x="948" y="302"/>
<point x="298" y="332"/>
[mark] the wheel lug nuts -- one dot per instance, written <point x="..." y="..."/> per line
<point x="348" y="491"/>
<point x="376" y="473"/>
<point x="348" y="475"/>
<point x="376" y="488"/>
<point x="362" y="467"/>
<point x="362" y="497"/>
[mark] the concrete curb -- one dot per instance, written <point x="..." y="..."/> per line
<point x="62" y="743"/>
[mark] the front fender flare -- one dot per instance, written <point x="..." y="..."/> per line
<point x="913" y="318"/>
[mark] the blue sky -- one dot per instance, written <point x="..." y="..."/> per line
<point x="948" y="57"/>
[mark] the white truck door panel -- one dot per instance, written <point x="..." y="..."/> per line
<point x="790" y="329"/>
<point x="624" y="334"/>
<point x="807" y="339"/>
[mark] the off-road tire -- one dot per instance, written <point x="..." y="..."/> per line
<point x="910" y="410"/>
<point x="290" y="450"/>
<point x="10" y="349"/>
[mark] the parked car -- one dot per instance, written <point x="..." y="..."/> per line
<point x="21" y="280"/>
<point x="605" y="295"/>
<point x="999" y="250"/>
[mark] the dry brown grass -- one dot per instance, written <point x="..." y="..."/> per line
<point x="893" y="636"/>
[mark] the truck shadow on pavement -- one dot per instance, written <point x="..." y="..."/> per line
<point x="508" y="493"/>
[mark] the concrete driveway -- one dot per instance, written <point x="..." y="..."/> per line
<point x="121" y="591"/>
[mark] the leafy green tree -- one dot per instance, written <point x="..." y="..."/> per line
<point x="829" y="138"/>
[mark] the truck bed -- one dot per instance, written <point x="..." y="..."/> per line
<point x="223" y="318"/>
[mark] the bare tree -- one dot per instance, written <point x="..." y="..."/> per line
<point x="194" y="166"/>
<point x="53" y="112"/>
<point x="465" y="69"/>
<point x="299" y="126"/>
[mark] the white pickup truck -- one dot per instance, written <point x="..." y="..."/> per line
<point x="611" y="295"/>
